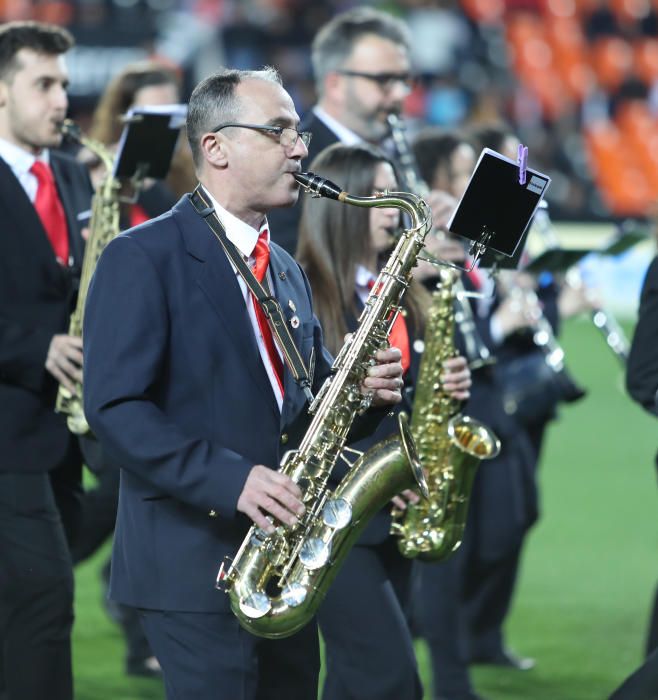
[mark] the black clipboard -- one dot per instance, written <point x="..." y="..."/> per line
<point x="495" y="209"/>
<point x="148" y="141"/>
<point x="557" y="260"/>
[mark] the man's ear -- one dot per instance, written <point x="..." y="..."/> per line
<point x="214" y="150"/>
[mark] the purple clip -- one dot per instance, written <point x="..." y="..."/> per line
<point x="522" y="160"/>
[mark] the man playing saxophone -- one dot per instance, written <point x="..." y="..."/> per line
<point x="186" y="388"/>
<point x="42" y="192"/>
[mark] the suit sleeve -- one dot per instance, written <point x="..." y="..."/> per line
<point x="23" y="353"/>
<point x="125" y="345"/>
<point x="642" y="367"/>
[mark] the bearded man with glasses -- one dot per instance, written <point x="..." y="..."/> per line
<point x="362" y="73"/>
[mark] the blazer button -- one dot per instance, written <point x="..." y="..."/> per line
<point x="284" y="438"/>
<point x="212" y="514"/>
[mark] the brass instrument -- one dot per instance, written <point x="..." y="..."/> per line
<point x="477" y="353"/>
<point x="450" y="446"/>
<point x="103" y="227"/>
<point x="276" y="582"/>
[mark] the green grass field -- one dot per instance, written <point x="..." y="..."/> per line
<point x="589" y="570"/>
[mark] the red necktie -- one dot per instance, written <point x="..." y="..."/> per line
<point x="398" y="336"/>
<point x="262" y="256"/>
<point x="50" y="211"/>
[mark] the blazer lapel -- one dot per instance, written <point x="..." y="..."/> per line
<point x="279" y="271"/>
<point x="28" y="225"/>
<point x="216" y="277"/>
<point x="65" y="189"/>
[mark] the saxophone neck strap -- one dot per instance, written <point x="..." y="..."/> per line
<point x="268" y="303"/>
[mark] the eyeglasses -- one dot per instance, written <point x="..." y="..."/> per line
<point x="384" y="80"/>
<point x="287" y="135"/>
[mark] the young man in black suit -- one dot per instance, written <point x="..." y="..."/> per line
<point x="185" y="391"/>
<point x="41" y="194"/>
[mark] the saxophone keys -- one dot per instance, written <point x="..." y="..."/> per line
<point x="337" y="513"/>
<point x="294" y="594"/>
<point x="315" y="553"/>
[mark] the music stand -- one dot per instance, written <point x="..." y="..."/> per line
<point x="557" y="260"/>
<point x="495" y="209"/>
<point x="147" y="142"/>
<point x="630" y="233"/>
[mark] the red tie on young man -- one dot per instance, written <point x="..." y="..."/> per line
<point x="398" y="336"/>
<point x="50" y="210"/>
<point x="262" y="256"/>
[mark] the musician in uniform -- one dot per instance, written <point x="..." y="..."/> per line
<point x="368" y="646"/>
<point x="42" y="192"/>
<point x="186" y="389"/>
<point x="362" y="73"/>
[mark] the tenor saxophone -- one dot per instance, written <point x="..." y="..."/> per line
<point x="103" y="227"/>
<point x="450" y="445"/>
<point x="276" y="582"/>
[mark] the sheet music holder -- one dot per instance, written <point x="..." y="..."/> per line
<point x="495" y="209"/>
<point x="147" y="142"/>
<point x="557" y="260"/>
<point x="630" y="233"/>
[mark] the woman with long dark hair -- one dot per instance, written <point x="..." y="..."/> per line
<point x="368" y="647"/>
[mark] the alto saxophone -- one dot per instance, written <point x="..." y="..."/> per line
<point x="276" y="582"/>
<point x="450" y="446"/>
<point x="103" y="227"/>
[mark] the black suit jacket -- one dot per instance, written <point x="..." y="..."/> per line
<point x="177" y="394"/>
<point x="36" y="300"/>
<point x="284" y="223"/>
<point x="642" y="366"/>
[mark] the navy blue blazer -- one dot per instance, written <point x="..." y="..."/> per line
<point x="176" y="392"/>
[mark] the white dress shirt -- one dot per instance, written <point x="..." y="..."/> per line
<point x="244" y="237"/>
<point x="20" y="161"/>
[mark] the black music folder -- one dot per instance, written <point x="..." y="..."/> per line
<point x="495" y="209"/>
<point x="148" y="141"/>
<point x="557" y="260"/>
<point x="629" y="234"/>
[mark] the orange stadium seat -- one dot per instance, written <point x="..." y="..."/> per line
<point x="612" y="61"/>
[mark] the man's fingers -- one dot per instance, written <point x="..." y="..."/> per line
<point x="389" y="369"/>
<point x="388" y="355"/>
<point x="60" y="376"/>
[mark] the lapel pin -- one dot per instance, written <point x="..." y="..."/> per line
<point x="282" y="275"/>
<point x="294" y="322"/>
<point x="291" y="305"/>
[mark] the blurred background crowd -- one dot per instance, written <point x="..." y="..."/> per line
<point x="576" y="78"/>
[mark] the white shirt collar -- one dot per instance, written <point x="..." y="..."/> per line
<point x="18" y="159"/>
<point x="345" y="135"/>
<point x="243" y="236"/>
<point x="363" y="276"/>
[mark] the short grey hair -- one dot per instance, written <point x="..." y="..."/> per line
<point x="214" y="101"/>
<point x="334" y="43"/>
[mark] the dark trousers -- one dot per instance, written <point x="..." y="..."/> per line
<point x="208" y="656"/>
<point x="439" y="617"/>
<point x="488" y="594"/>
<point x="36" y="583"/>
<point x="369" y="652"/>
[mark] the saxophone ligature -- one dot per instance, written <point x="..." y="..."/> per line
<point x="450" y="445"/>
<point x="276" y="582"/>
<point x="103" y="226"/>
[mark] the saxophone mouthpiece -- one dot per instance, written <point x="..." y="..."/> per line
<point x="318" y="185"/>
